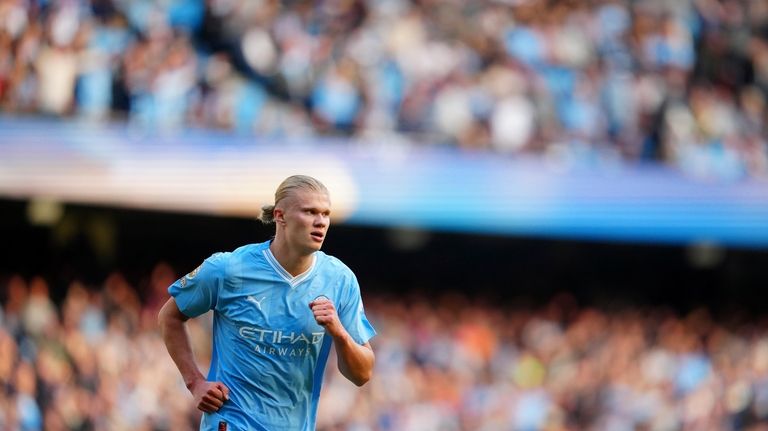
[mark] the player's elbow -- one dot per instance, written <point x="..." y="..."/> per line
<point x="357" y="375"/>
<point x="358" y="368"/>
<point x="363" y="374"/>
<point x="361" y="378"/>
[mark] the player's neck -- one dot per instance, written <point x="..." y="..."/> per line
<point x="291" y="260"/>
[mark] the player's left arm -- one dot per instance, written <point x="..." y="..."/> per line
<point x="355" y="361"/>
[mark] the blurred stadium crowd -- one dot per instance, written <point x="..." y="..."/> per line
<point x="95" y="361"/>
<point x="684" y="81"/>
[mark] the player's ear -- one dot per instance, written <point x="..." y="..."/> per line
<point x="279" y="215"/>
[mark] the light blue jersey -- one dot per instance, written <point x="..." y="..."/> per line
<point x="267" y="347"/>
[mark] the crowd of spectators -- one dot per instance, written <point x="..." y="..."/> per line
<point x="94" y="360"/>
<point x="683" y="82"/>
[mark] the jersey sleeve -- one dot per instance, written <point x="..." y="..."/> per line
<point x="198" y="291"/>
<point x="352" y="313"/>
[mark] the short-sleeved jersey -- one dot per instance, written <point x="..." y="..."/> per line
<point x="267" y="347"/>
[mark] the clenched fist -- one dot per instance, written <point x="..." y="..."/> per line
<point x="326" y="316"/>
<point x="209" y="396"/>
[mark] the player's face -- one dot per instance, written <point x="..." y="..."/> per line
<point x="307" y="218"/>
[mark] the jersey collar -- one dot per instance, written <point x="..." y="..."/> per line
<point x="285" y="275"/>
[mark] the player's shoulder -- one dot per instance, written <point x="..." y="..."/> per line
<point x="217" y="259"/>
<point x="223" y="258"/>
<point x="255" y="248"/>
<point x="334" y="264"/>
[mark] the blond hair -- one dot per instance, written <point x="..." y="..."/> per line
<point x="286" y="188"/>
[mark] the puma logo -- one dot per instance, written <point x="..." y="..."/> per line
<point x="258" y="302"/>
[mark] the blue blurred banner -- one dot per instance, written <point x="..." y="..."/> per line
<point x="378" y="184"/>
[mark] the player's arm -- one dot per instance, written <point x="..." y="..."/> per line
<point x="355" y="361"/>
<point x="209" y="396"/>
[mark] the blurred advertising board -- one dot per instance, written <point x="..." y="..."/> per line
<point x="377" y="184"/>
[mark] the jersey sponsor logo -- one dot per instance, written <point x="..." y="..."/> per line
<point x="281" y="343"/>
<point x="276" y="336"/>
<point x="282" y="351"/>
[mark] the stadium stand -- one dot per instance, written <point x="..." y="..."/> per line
<point x="681" y="82"/>
<point x="96" y="361"/>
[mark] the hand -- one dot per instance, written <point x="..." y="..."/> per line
<point x="209" y="396"/>
<point x="325" y="315"/>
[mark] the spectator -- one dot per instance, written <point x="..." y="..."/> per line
<point x="576" y="81"/>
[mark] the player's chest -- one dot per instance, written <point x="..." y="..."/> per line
<point x="266" y="303"/>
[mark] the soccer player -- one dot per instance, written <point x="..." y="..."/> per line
<point x="278" y="307"/>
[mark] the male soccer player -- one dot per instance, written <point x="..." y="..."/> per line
<point x="278" y="307"/>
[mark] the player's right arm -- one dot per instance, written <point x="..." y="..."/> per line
<point x="209" y="396"/>
<point x="191" y="296"/>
